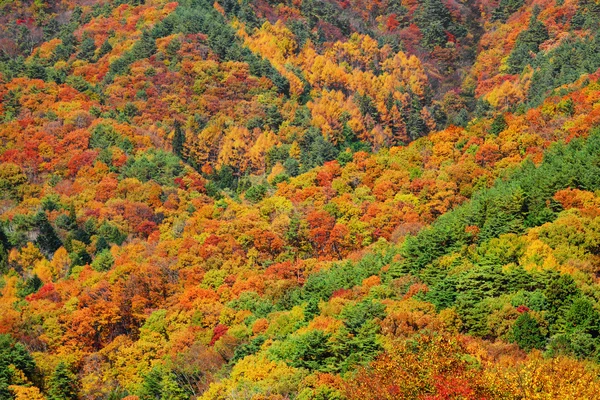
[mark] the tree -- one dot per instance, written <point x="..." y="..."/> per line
<point x="527" y="334"/>
<point x="528" y="42"/>
<point x="87" y="49"/>
<point x="310" y="350"/>
<point x="14" y="359"/>
<point x="498" y="125"/>
<point x="178" y="140"/>
<point x="506" y="8"/>
<point x="434" y="20"/>
<point x="62" y="384"/>
<point x="161" y="383"/>
<point x="104" y="49"/>
<point x="47" y="240"/>
<point x="144" y="47"/>
<point x="103" y="261"/>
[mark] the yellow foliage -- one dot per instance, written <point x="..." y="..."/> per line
<point x="26" y="392"/>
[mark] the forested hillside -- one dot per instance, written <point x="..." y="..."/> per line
<point x="307" y="199"/>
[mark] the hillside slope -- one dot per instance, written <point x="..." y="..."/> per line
<point x="299" y="200"/>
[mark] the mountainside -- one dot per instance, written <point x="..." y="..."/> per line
<point x="299" y="200"/>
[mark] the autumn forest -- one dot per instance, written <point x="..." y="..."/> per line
<point x="299" y="199"/>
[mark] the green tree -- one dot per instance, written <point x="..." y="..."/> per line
<point x="161" y="384"/>
<point x="62" y="384"/>
<point x="498" y="125"/>
<point x="310" y="350"/>
<point x="103" y="261"/>
<point x="47" y="240"/>
<point x="178" y="140"/>
<point x="434" y="20"/>
<point x="87" y="49"/>
<point x="506" y="8"/>
<point x="13" y="356"/>
<point x="527" y="334"/>
<point x="528" y="42"/>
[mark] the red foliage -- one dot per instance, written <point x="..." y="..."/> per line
<point x="47" y="292"/>
<point x="522" y="309"/>
<point x="146" y="228"/>
<point x="392" y="23"/>
<point x="452" y="387"/>
<point x="78" y="161"/>
<point x="328" y="173"/>
<point x="218" y="332"/>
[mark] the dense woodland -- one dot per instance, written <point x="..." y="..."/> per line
<point x="300" y="199"/>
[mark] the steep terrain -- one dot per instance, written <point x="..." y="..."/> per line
<point x="299" y="200"/>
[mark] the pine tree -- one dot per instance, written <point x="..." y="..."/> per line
<point x="433" y="21"/>
<point x="528" y="42"/>
<point x="104" y="49"/>
<point x="13" y="356"/>
<point x="505" y="9"/>
<point x="47" y="240"/>
<point x="86" y="49"/>
<point x="526" y="333"/>
<point x="3" y="259"/>
<point x="144" y="47"/>
<point x="178" y="140"/>
<point x="62" y="384"/>
<point x="498" y="125"/>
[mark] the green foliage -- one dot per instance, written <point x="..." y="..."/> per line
<point x="156" y="165"/>
<point x="3" y="258"/>
<point x="178" y="140"/>
<point x="583" y="317"/>
<point x="511" y="206"/>
<point x="47" y="241"/>
<point x="162" y="384"/>
<point x="310" y="350"/>
<point x="62" y="384"/>
<point x="356" y="316"/>
<point x="562" y="65"/>
<point x="435" y="20"/>
<point x="526" y="333"/>
<point x="199" y="16"/>
<point x="506" y="8"/>
<point x="528" y="41"/>
<point x="247" y="349"/>
<point x="13" y="357"/>
<point x="256" y="193"/>
<point x="29" y="286"/>
<point x="103" y="261"/>
<point x="87" y="48"/>
<point x="104" y="136"/>
<point x="498" y="125"/>
<point x="352" y="349"/>
<point x="253" y="302"/>
<point x="321" y="285"/>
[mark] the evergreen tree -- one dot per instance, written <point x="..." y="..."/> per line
<point x="178" y="140"/>
<point x="29" y="286"/>
<point x="528" y="42"/>
<point x="35" y="70"/>
<point x="498" y="125"/>
<point x="526" y="333"/>
<point x="3" y="259"/>
<point x="86" y="49"/>
<point x="104" y="49"/>
<point x="13" y="356"/>
<point x="434" y="20"/>
<point x="103" y="261"/>
<point x="47" y="240"/>
<point x="144" y="47"/>
<point x="506" y="8"/>
<point x="62" y="384"/>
